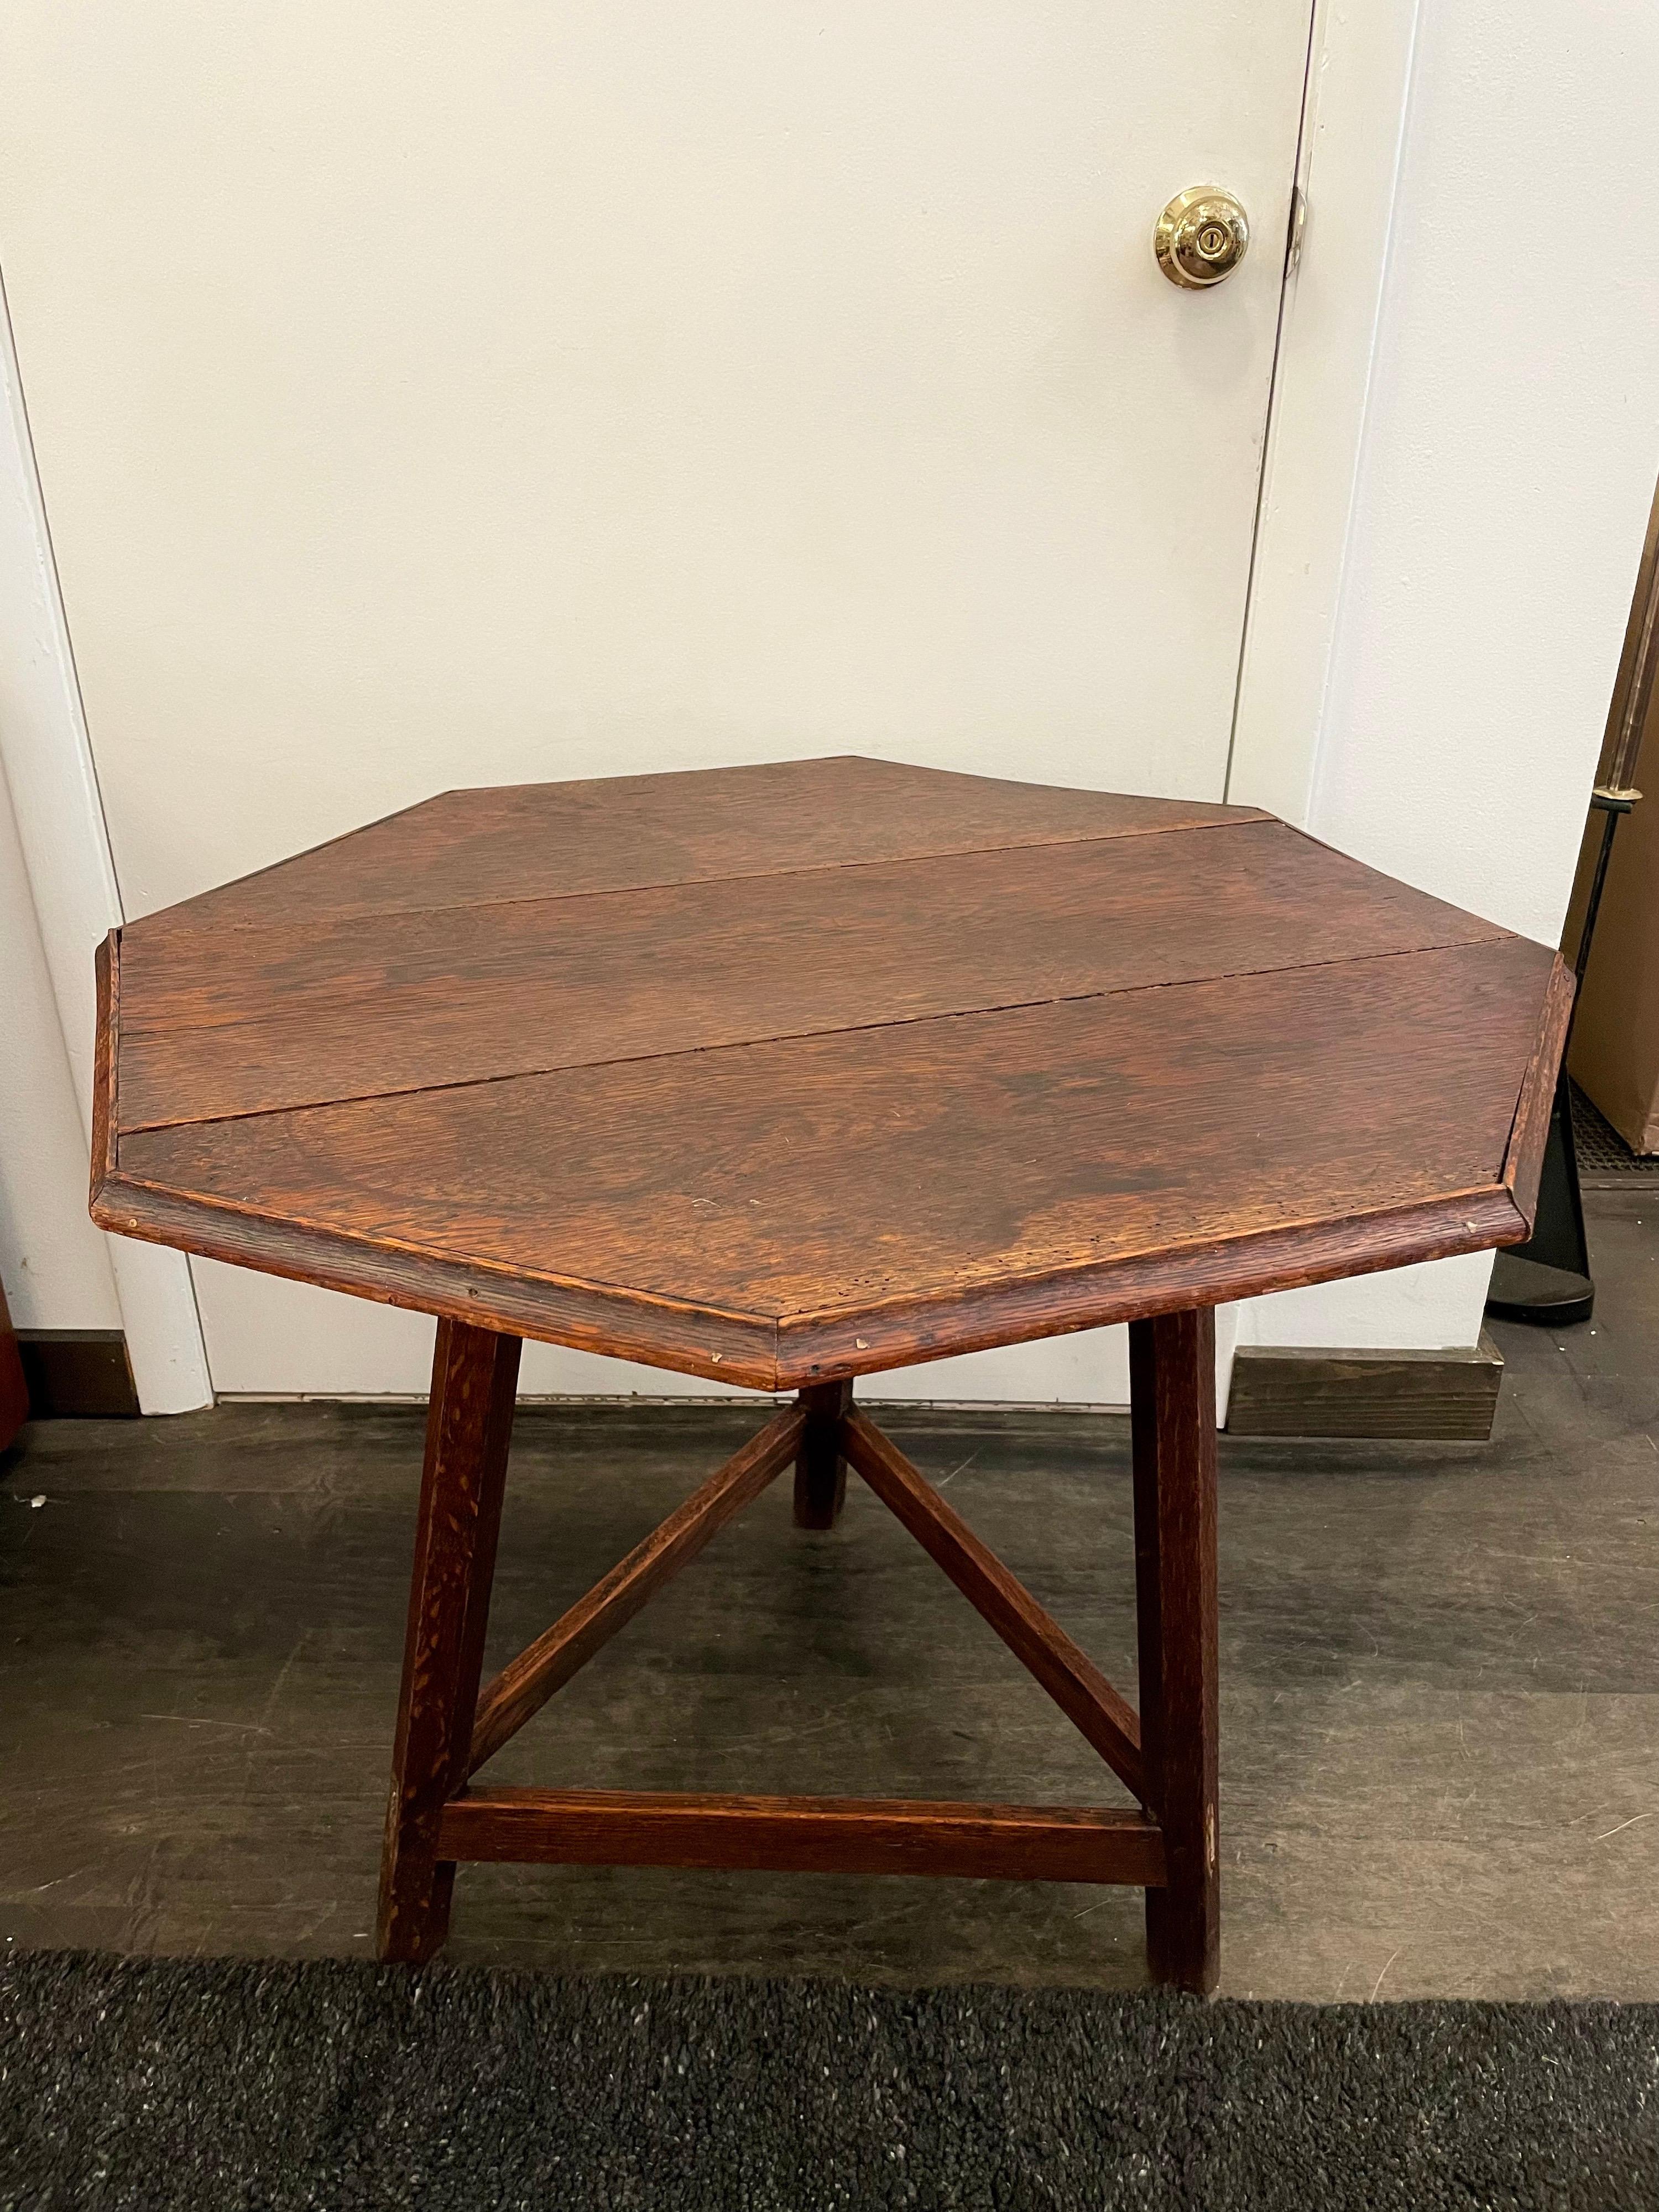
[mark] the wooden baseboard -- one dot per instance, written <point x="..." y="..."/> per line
<point x="14" y="1391"/>
<point x="81" y="1372"/>
<point x="1277" y="1390"/>
<point x="1291" y="1391"/>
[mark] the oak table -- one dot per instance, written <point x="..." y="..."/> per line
<point x="785" y="1075"/>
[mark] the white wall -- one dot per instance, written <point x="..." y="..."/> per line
<point x="266" y="1337"/>
<point x="1510" y="453"/>
<point x="1510" y="457"/>
<point x="56" y="844"/>
<point x="1512" y="444"/>
<point x="53" y="1263"/>
<point x="424" y="394"/>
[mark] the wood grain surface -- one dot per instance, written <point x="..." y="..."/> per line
<point x="1302" y="1390"/>
<point x="623" y="833"/>
<point x="1172" y="1418"/>
<point x="469" y="1427"/>
<point x="695" y="1071"/>
<point x="806" y="1835"/>
<point x="315" y="1012"/>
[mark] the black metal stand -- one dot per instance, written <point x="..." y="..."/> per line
<point x="1548" y="1280"/>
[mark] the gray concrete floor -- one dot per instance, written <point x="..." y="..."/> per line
<point x="1440" y="1686"/>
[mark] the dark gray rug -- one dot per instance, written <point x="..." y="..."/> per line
<point x="224" y="2083"/>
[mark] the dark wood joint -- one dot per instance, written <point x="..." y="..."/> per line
<point x="821" y="1470"/>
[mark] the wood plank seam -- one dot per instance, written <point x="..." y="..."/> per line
<point x="1240" y="816"/>
<point x="1448" y="930"/>
<point x="737" y="875"/>
<point x="532" y="1069"/>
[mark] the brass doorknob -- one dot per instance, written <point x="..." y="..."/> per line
<point x="1201" y="237"/>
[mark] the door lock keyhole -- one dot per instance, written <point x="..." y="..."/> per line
<point x="1201" y="237"/>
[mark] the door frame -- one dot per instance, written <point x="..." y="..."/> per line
<point x="1353" y="127"/>
<point x="45" y="758"/>
<point x="1354" y="112"/>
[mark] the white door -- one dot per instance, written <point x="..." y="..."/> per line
<point x="428" y="395"/>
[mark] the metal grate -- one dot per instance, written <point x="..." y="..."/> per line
<point x="1602" y="1153"/>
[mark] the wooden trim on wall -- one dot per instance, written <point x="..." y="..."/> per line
<point x="1281" y="1390"/>
<point x="1277" y="1390"/>
<point x="13" y="1390"/>
<point x="78" y="1372"/>
<point x="46" y="757"/>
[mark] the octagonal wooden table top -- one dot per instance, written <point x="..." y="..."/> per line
<point x="778" y="1073"/>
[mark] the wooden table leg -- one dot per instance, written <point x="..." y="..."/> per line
<point x="1172" y="1395"/>
<point x="821" y="1471"/>
<point x="469" y="1426"/>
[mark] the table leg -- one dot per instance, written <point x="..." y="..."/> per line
<point x="469" y="1425"/>
<point x="1172" y="1395"/>
<point x="821" y="1471"/>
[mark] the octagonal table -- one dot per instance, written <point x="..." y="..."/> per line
<point x="786" y="1075"/>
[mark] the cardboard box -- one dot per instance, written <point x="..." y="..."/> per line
<point x="1616" y="1038"/>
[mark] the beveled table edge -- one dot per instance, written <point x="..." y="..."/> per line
<point x="768" y="1352"/>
